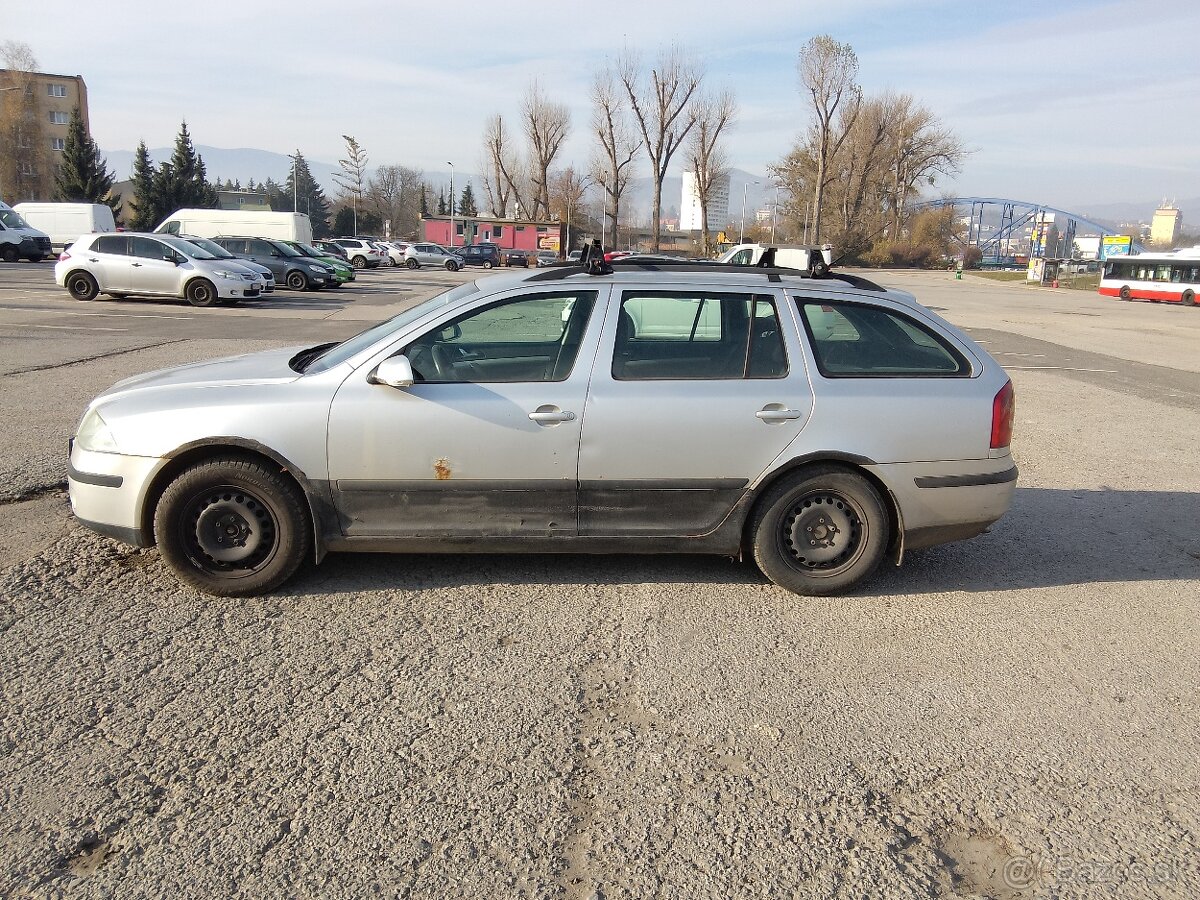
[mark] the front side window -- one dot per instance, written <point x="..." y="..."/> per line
<point x="697" y="335"/>
<point x="523" y="339"/>
<point x="852" y="340"/>
<point x="148" y="248"/>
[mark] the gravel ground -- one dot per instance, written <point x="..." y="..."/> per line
<point x="1015" y="716"/>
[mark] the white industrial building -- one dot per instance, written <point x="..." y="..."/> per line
<point x="718" y="204"/>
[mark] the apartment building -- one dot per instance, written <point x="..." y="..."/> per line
<point x="35" y="112"/>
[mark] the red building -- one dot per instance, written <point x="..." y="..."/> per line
<point x="507" y="234"/>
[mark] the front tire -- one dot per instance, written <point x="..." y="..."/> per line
<point x="82" y="286"/>
<point x="820" y="532"/>
<point x="451" y="265"/>
<point x="297" y="280"/>
<point x="1123" y="293"/>
<point x="412" y="264"/>
<point x="232" y="527"/>
<point x="201" y="293"/>
<point x="487" y="263"/>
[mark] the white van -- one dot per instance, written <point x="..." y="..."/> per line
<point x="211" y="223"/>
<point x="806" y="258"/>
<point x="65" y="222"/>
<point x="19" y="239"/>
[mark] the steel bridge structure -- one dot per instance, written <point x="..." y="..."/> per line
<point x="998" y="245"/>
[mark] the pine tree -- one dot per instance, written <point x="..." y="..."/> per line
<point x="183" y="181"/>
<point x="466" y="204"/>
<point x="311" y="199"/>
<point x="424" y="203"/>
<point x="145" y="203"/>
<point x="83" y="175"/>
<point x="441" y="207"/>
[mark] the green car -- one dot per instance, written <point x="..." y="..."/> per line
<point x="342" y="270"/>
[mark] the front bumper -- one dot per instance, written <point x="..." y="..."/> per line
<point x="108" y="493"/>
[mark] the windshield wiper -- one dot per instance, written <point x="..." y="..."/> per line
<point x="306" y="358"/>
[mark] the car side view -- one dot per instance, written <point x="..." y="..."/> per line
<point x="816" y="425"/>
<point x="291" y="268"/>
<point x="152" y="265"/>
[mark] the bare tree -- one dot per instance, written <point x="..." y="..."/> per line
<point x="394" y="194"/>
<point x="353" y="177"/>
<point x="664" y="112"/>
<point x="505" y="177"/>
<point x="567" y="190"/>
<point x="828" y="72"/>
<point x="23" y="166"/>
<point x="707" y="159"/>
<point x="923" y="149"/>
<point x="546" y="127"/>
<point x="618" y="145"/>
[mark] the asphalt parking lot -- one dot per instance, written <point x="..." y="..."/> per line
<point x="1013" y="716"/>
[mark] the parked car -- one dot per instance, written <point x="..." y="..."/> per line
<point x="817" y="426"/>
<point x="295" y="271"/>
<point x="422" y="254"/>
<point x="516" y="258"/>
<point x="20" y="239"/>
<point x="546" y="258"/>
<point x="575" y="256"/>
<point x="392" y="255"/>
<point x="342" y="270"/>
<point x="151" y="265"/>
<point x="220" y="252"/>
<point x="486" y="255"/>
<point x="361" y="253"/>
<point x="332" y="249"/>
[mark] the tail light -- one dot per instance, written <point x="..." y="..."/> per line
<point x="64" y="256"/>
<point x="1004" y="406"/>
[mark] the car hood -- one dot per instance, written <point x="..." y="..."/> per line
<point x="267" y="366"/>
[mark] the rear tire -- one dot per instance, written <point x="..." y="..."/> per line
<point x="82" y="286"/>
<point x="359" y="262"/>
<point x="232" y="527"/>
<point x="820" y="532"/>
<point x="1189" y="298"/>
<point x="9" y="253"/>
<point x="1123" y="293"/>
<point x="201" y="292"/>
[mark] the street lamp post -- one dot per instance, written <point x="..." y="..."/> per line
<point x="451" y="165"/>
<point x="774" y="213"/>
<point x="742" y="229"/>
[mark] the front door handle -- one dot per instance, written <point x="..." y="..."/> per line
<point x="551" y="415"/>
<point x="777" y="412"/>
<point x="137" y="265"/>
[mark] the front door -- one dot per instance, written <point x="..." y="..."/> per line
<point x="486" y="442"/>
<point x="693" y="396"/>
<point x="152" y="274"/>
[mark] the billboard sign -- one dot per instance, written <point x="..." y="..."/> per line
<point x="1115" y="245"/>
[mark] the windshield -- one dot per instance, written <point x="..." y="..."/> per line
<point x="309" y="249"/>
<point x="211" y="247"/>
<point x="187" y="248"/>
<point x="285" y="249"/>
<point x="12" y="219"/>
<point x="346" y="349"/>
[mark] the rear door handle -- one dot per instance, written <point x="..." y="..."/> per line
<point x="137" y="265"/>
<point x="778" y="414"/>
<point x="551" y="415"/>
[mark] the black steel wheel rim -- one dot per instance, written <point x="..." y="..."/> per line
<point x="229" y="531"/>
<point x="823" y="533"/>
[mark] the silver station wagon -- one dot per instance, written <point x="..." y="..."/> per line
<point x="819" y="425"/>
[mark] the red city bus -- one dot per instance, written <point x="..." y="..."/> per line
<point x="1172" y="277"/>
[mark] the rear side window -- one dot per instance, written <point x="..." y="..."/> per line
<point x="668" y="335"/>
<point x="853" y="340"/>
<point x="112" y="243"/>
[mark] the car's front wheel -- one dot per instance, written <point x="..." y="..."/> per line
<point x="297" y="280"/>
<point x="487" y="263"/>
<point x="201" y="293"/>
<point x="820" y="532"/>
<point x="412" y="264"/>
<point x="452" y="265"/>
<point x="232" y="527"/>
<point x="82" y="286"/>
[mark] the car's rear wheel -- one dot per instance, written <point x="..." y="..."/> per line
<point x="1123" y="293"/>
<point x="1189" y="298"/>
<point x="297" y="280"/>
<point x="9" y="253"/>
<point x="82" y="286"/>
<point x="201" y="293"/>
<point x="232" y="527"/>
<point x="359" y="262"/>
<point x="412" y="264"/>
<point x="820" y="532"/>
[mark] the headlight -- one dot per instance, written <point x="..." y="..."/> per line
<point x="234" y="275"/>
<point x="93" y="434"/>
<point x="318" y="269"/>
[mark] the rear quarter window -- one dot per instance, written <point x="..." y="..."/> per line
<point x="854" y="340"/>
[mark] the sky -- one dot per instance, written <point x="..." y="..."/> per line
<point x="1068" y="103"/>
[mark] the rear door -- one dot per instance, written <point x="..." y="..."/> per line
<point x="694" y="394"/>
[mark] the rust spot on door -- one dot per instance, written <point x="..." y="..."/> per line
<point x="441" y="469"/>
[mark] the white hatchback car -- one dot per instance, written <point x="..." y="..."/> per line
<point x="152" y="265"/>
<point x="819" y="425"/>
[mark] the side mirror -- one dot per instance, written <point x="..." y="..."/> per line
<point x="171" y="258"/>
<point x="395" y="372"/>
